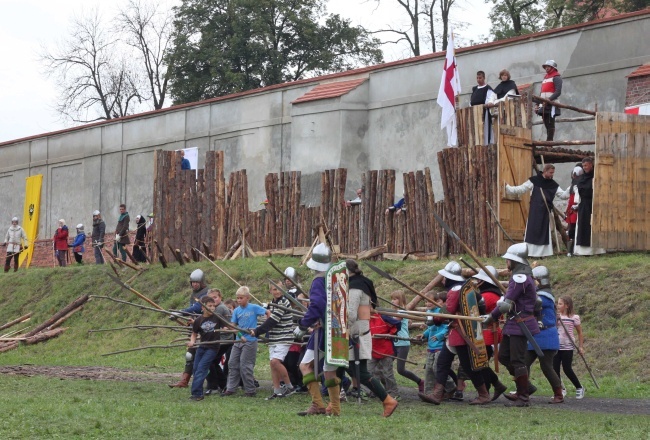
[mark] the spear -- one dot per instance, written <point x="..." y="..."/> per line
<point x="287" y="309"/>
<point x="423" y="315"/>
<point x="200" y="344"/>
<point x="496" y="219"/>
<point x="166" y="312"/>
<point x="393" y="357"/>
<point x="220" y="269"/>
<point x="398" y="338"/>
<point x="298" y="288"/>
<point x="392" y="278"/>
<point x="142" y="327"/>
<point x="469" y="251"/>
<point x="581" y="355"/>
<point x="291" y="299"/>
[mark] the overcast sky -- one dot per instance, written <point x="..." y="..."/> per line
<point x="27" y="96"/>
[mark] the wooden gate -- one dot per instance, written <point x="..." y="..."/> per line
<point x="621" y="206"/>
<point x="515" y="167"/>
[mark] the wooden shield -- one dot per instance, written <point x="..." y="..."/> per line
<point x="336" y="322"/>
<point x="469" y="307"/>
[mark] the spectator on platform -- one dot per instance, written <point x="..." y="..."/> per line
<point x="506" y="87"/>
<point x="551" y="90"/>
<point x="185" y="163"/>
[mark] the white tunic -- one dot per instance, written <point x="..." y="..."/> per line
<point x="13" y="238"/>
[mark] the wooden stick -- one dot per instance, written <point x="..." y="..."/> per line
<point x="394" y="357"/>
<point x="558" y="143"/>
<point x="16" y="321"/>
<point x="215" y="265"/>
<point x="557" y="120"/>
<point x="140" y="306"/>
<point x="540" y="100"/>
<point x="417" y="314"/>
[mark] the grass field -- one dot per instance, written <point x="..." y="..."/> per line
<point x="609" y="292"/>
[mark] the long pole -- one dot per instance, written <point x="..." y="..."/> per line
<point x="581" y="355"/>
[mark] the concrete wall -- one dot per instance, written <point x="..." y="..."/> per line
<point x="390" y="121"/>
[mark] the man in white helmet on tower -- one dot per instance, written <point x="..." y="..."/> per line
<point x="14" y="240"/>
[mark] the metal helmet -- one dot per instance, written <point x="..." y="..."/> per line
<point x="96" y="212"/>
<point x="197" y="276"/>
<point x="14" y="219"/>
<point x="542" y="274"/>
<point x="321" y="257"/>
<point x="483" y="276"/>
<point x="291" y="273"/>
<point x="452" y="271"/>
<point x="517" y="252"/>
<point x="550" y="63"/>
<point x="80" y="227"/>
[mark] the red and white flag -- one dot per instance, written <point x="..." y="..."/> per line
<point x="449" y="88"/>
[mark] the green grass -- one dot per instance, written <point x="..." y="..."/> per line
<point x="38" y="407"/>
<point x="609" y="293"/>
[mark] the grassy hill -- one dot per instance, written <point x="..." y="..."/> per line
<point x="610" y="293"/>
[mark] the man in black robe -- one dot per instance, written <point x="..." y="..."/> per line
<point x="584" y="202"/>
<point x="538" y="227"/>
<point x="482" y="94"/>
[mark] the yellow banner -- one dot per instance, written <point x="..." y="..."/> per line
<point x="30" y="215"/>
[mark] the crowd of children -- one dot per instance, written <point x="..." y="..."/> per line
<point x="225" y="336"/>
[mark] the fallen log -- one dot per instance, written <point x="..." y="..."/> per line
<point x="16" y="321"/>
<point x="61" y="313"/>
<point x="8" y="346"/>
<point x="44" y="336"/>
<point x="364" y="255"/>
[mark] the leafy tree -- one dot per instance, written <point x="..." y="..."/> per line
<point x="511" y="18"/>
<point x="227" y="46"/>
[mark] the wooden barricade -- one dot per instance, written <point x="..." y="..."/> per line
<point x="621" y="212"/>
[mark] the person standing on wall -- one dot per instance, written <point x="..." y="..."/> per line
<point x="482" y="94"/>
<point x="61" y="243"/>
<point x="13" y="240"/>
<point x="122" y="232"/>
<point x="551" y="90"/>
<point x="97" y="236"/>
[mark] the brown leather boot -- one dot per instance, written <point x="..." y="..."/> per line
<point x="335" y="401"/>
<point x="522" y="392"/>
<point x="7" y="267"/>
<point x="483" y="396"/>
<point x="317" y="406"/>
<point x="557" y="396"/>
<point x="390" y="404"/>
<point x="183" y="383"/>
<point x="499" y="389"/>
<point x="436" y="396"/>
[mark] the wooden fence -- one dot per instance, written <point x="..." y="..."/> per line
<point x="197" y="209"/>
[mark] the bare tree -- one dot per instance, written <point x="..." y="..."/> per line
<point x="412" y="33"/>
<point x="149" y="32"/>
<point x="96" y="81"/>
<point x="423" y="18"/>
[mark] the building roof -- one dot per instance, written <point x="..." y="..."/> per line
<point x="330" y="90"/>
<point x="333" y="77"/>
<point x="643" y="70"/>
